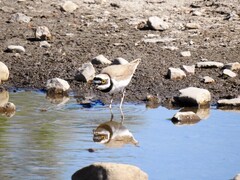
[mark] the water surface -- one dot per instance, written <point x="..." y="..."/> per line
<point x="44" y="140"/>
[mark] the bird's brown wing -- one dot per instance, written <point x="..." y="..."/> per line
<point x="121" y="72"/>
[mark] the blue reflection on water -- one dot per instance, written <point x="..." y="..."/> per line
<point x="54" y="144"/>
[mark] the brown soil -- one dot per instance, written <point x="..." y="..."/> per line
<point x="110" y="29"/>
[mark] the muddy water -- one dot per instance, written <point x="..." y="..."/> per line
<point x="46" y="140"/>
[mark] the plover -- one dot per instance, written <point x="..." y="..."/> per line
<point x="113" y="79"/>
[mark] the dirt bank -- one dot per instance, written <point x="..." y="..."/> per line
<point x="110" y="29"/>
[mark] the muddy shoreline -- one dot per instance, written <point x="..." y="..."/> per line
<point x="111" y="30"/>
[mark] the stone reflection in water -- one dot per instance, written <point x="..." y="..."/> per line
<point x="190" y="115"/>
<point x="6" y="108"/>
<point x="58" y="99"/>
<point x="113" y="134"/>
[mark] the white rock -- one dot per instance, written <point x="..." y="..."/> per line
<point x="19" y="17"/>
<point x="157" y="23"/>
<point x="4" y="72"/>
<point x="196" y="13"/>
<point x="15" y="48"/>
<point x="209" y="64"/>
<point x="193" y="96"/>
<point x="188" y="69"/>
<point x="229" y="73"/>
<point x="59" y="84"/>
<point x="235" y="102"/>
<point x="43" y="33"/>
<point x="187" y="117"/>
<point x="171" y="48"/>
<point x="192" y="26"/>
<point x="175" y="73"/>
<point x="69" y="6"/>
<point x="45" y="44"/>
<point x="232" y="66"/>
<point x="208" y="79"/>
<point x="100" y="59"/>
<point x="85" y="73"/>
<point x="158" y="40"/>
<point x="120" y="60"/>
<point x="185" y="53"/>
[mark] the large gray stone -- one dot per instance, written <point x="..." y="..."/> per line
<point x="85" y="73"/>
<point x="193" y="96"/>
<point x="4" y="72"/>
<point x="110" y="171"/>
<point x="20" y="17"/>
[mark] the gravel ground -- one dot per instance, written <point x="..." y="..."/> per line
<point x="110" y="28"/>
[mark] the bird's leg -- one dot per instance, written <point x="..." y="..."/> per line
<point x="110" y="107"/>
<point x="123" y="95"/>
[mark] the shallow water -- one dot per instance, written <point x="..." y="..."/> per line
<point x="51" y="141"/>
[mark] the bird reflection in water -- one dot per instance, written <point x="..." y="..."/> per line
<point x="113" y="134"/>
<point x="7" y="109"/>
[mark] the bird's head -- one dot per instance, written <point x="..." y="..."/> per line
<point x="102" y="81"/>
<point x="101" y="136"/>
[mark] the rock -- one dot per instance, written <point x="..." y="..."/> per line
<point x="59" y="99"/>
<point x="202" y="113"/>
<point x="4" y="72"/>
<point x="207" y="79"/>
<point x="192" y="26"/>
<point x="45" y="44"/>
<point x="85" y="73"/>
<point x="237" y="177"/>
<point x="4" y="97"/>
<point x="188" y="117"/>
<point x="158" y="39"/>
<point x="193" y="96"/>
<point x="43" y="33"/>
<point x="175" y="73"/>
<point x="196" y="13"/>
<point x="15" y="48"/>
<point x="19" y="17"/>
<point x="69" y="6"/>
<point x="57" y="86"/>
<point x="119" y="60"/>
<point x="110" y="171"/>
<point x="100" y="59"/>
<point x="229" y="73"/>
<point x="209" y="64"/>
<point x="188" y="69"/>
<point x="171" y="48"/>
<point x="8" y="109"/>
<point x="229" y="103"/>
<point x="157" y="23"/>
<point x="232" y="66"/>
<point x="152" y="101"/>
<point x="185" y="53"/>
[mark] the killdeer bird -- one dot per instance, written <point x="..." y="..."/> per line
<point x="113" y="79"/>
